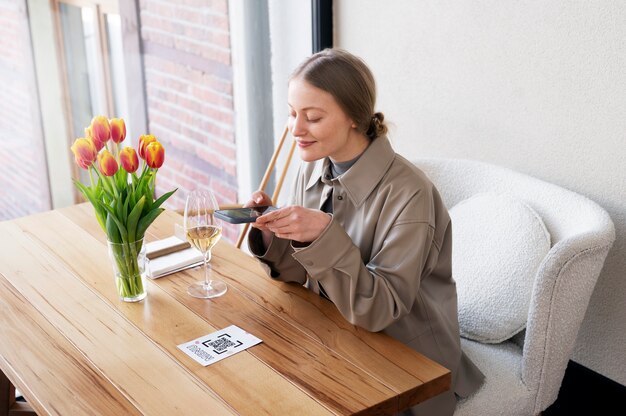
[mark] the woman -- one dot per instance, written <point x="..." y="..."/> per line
<point x="366" y="229"/>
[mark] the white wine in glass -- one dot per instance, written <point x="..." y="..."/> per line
<point x="203" y="231"/>
<point x="204" y="237"/>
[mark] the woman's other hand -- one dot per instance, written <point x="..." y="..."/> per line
<point x="258" y="199"/>
<point x="295" y="223"/>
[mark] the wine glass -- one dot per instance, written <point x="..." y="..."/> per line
<point x="203" y="231"/>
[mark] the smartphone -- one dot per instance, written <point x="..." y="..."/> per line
<point x="242" y="215"/>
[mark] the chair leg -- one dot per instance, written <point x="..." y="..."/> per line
<point x="7" y="395"/>
<point x="21" y="409"/>
<point x="8" y="405"/>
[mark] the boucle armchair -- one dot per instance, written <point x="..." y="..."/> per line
<point x="524" y="373"/>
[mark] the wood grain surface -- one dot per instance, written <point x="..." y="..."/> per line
<point x="112" y="357"/>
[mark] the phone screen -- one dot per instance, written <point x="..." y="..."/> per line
<point x="242" y="215"/>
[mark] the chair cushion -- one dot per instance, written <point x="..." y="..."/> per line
<point x="503" y="392"/>
<point x="498" y="243"/>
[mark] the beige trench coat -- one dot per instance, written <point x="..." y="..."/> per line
<point x="384" y="260"/>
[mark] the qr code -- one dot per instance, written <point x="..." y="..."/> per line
<point x="222" y="343"/>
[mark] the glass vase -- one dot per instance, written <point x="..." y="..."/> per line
<point x="129" y="269"/>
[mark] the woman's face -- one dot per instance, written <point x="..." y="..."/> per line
<point x="320" y="126"/>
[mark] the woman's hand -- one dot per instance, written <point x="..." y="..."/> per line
<point x="260" y="198"/>
<point x="295" y="223"/>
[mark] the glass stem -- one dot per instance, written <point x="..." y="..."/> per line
<point x="207" y="281"/>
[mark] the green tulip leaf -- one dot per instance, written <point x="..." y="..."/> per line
<point x="133" y="219"/>
<point x="145" y="221"/>
<point x="112" y="231"/>
<point x="119" y="224"/>
<point x="118" y="205"/>
<point x="126" y="205"/>
<point x="92" y="197"/>
<point x="163" y="198"/>
<point x="121" y="179"/>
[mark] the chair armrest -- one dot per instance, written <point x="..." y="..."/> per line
<point x="563" y="287"/>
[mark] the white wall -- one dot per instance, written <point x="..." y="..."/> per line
<point x="536" y="86"/>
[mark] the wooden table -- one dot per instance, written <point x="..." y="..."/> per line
<point x="73" y="348"/>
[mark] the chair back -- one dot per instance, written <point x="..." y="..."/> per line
<point x="564" y="212"/>
<point x="581" y="234"/>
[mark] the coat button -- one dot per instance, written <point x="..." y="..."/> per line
<point x="339" y="197"/>
<point x="327" y="176"/>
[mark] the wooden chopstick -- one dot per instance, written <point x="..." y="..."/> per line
<point x="279" y="184"/>
<point x="266" y="178"/>
<point x="230" y="206"/>
<point x="168" y="250"/>
<point x="270" y="166"/>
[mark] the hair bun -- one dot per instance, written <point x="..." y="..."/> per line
<point x="377" y="126"/>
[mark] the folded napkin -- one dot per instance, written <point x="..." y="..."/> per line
<point x="171" y="255"/>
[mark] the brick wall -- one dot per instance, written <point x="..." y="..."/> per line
<point x="23" y="172"/>
<point x="188" y="75"/>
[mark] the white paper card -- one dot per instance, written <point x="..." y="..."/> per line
<point x="218" y="345"/>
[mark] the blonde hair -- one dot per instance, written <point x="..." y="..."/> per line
<point x="348" y="79"/>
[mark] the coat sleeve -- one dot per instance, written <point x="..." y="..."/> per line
<point x="376" y="294"/>
<point x="279" y="255"/>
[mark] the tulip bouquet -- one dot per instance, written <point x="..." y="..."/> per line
<point x="122" y="194"/>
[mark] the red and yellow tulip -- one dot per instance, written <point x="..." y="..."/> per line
<point x="89" y="135"/>
<point x="107" y="163"/>
<point x="129" y="159"/>
<point x="144" y="141"/>
<point x="85" y="152"/>
<point x="100" y="131"/>
<point x="155" y="155"/>
<point x="118" y="130"/>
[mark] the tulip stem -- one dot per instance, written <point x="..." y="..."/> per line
<point x="91" y="176"/>
<point x="106" y="183"/>
<point x="153" y="183"/>
<point x="128" y="274"/>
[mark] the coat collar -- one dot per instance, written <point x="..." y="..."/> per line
<point x="361" y="179"/>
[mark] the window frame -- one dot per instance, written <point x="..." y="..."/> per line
<point x="322" y="24"/>
<point x="101" y="8"/>
<point x="53" y="85"/>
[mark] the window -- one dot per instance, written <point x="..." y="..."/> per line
<point x="90" y="45"/>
